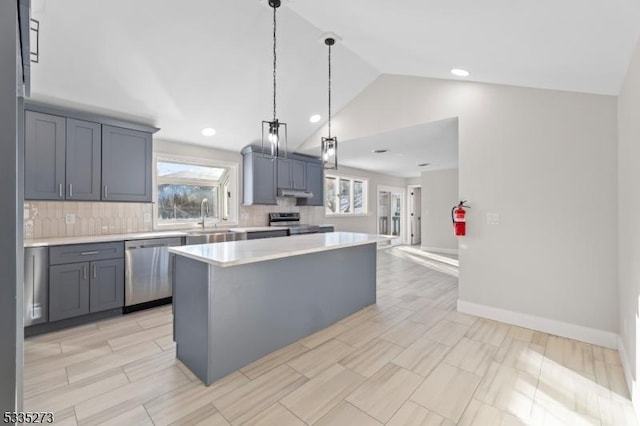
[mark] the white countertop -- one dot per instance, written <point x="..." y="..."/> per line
<point x="46" y="242"/>
<point x="250" y="251"/>
<point x="259" y="229"/>
<point x="87" y="239"/>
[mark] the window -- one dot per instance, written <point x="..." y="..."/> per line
<point x="345" y="195"/>
<point x="181" y="186"/>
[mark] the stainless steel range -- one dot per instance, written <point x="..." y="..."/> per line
<point x="292" y="221"/>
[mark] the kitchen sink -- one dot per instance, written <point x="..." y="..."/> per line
<point x="207" y="237"/>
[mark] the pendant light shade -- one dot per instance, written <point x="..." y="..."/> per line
<point x="274" y="132"/>
<point x="329" y="145"/>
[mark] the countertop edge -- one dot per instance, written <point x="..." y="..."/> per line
<point x="272" y="256"/>
<point x="90" y="239"/>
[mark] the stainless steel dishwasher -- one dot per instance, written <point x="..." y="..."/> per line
<point x="148" y="272"/>
<point x="36" y="285"/>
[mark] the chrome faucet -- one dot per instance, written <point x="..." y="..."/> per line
<point x="204" y="206"/>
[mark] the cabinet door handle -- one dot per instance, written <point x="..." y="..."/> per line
<point x="60" y="190"/>
<point x="88" y="253"/>
<point x="70" y="190"/>
<point x="95" y="271"/>
<point x="84" y="269"/>
<point x="106" y="193"/>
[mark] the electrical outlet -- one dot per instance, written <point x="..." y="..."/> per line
<point x="146" y="218"/>
<point x="493" y="219"/>
<point x="70" y="218"/>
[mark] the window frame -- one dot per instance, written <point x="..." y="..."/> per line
<point x="232" y="178"/>
<point x="352" y="180"/>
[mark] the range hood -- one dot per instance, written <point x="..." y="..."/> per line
<point x="297" y="193"/>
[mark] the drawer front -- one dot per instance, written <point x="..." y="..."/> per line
<point x="85" y="252"/>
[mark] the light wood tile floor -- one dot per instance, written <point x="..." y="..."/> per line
<point x="408" y="360"/>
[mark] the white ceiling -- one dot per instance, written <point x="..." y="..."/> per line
<point x="573" y="45"/>
<point x="187" y="65"/>
<point x="190" y="64"/>
<point x="435" y="143"/>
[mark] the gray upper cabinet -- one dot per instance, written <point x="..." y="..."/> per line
<point x="315" y="184"/>
<point x="299" y="174"/>
<point x="259" y="178"/>
<point x="292" y="174"/>
<point x="83" y="160"/>
<point x="44" y="159"/>
<point x="76" y="155"/>
<point x="284" y="174"/>
<point x="126" y="165"/>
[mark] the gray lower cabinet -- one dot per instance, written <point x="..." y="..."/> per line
<point x="83" y="158"/>
<point x="267" y="234"/>
<point x="68" y="291"/>
<point x="44" y="157"/>
<point x="259" y="178"/>
<point x="315" y="184"/>
<point x="106" y="285"/>
<point x="126" y="165"/>
<point x="85" y="278"/>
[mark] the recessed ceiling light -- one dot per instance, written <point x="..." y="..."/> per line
<point x="315" y="118"/>
<point x="208" y="131"/>
<point x="380" y="151"/>
<point x="423" y="164"/>
<point x="460" y="72"/>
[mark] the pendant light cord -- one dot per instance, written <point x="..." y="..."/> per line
<point x="329" y="118"/>
<point x="274" y="63"/>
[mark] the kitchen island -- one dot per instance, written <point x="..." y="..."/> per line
<point x="238" y="301"/>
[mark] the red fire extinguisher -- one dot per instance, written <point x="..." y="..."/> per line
<point x="458" y="217"/>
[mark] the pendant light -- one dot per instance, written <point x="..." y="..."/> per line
<point x="274" y="132"/>
<point x="329" y="145"/>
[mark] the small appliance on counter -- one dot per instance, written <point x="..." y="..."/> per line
<point x="292" y="221"/>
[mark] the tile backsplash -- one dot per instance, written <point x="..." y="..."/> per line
<point x="53" y="219"/>
<point x="45" y="219"/>
<point x="257" y="215"/>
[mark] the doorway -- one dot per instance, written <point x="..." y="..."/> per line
<point x="415" y="200"/>
<point x="390" y="213"/>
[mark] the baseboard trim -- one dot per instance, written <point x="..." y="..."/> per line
<point x="631" y="384"/>
<point x="558" y="328"/>
<point x="439" y="250"/>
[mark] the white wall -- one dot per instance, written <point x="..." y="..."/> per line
<point x="414" y="180"/>
<point x="546" y="162"/>
<point x="439" y="194"/>
<point x="369" y="222"/>
<point x="628" y="212"/>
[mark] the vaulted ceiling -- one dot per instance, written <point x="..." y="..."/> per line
<point x="190" y="64"/>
